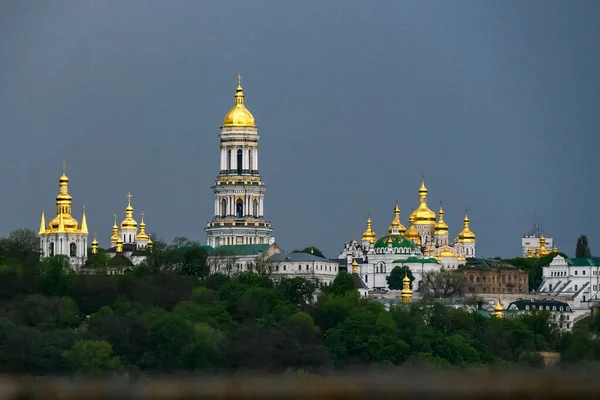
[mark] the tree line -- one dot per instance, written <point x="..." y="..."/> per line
<point x="165" y="316"/>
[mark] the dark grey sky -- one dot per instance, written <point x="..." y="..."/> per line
<point x="496" y="102"/>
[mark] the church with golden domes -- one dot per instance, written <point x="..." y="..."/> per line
<point x="424" y="246"/>
<point x="239" y="191"/>
<point x="126" y="241"/>
<point x="63" y="235"/>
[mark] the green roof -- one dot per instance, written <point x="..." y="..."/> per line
<point x="242" y="249"/>
<point x="487" y="264"/>
<point x="414" y="259"/>
<point x="398" y="241"/>
<point x="584" y="262"/>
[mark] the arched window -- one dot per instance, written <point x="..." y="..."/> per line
<point x="228" y="159"/>
<point x="239" y="208"/>
<point x="130" y="238"/>
<point x="223" y="208"/>
<point x="51" y="249"/>
<point x="250" y="165"/>
<point x="239" y="161"/>
<point x="255" y="208"/>
<point x="73" y="250"/>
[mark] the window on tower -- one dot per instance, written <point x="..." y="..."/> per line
<point x="255" y="208"/>
<point x="51" y="249"/>
<point x="223" y="208"/>
<point x="250" y="166"/>
<point x="73" y="250"/>
<point x="239" y="209"/>
<point x="239" y="161"/>
<point x="228" y="159"/>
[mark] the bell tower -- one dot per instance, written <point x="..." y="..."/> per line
<point x="239" y="192"/>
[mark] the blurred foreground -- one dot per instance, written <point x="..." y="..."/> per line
<point x="401" y="383"/>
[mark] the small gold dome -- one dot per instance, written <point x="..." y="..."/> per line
<point x="461" y="259"/>
<point x="498" y="306"/>
<point x="115" y="231"/>
<point x="396" y="221"/>
<point x="239" y="114"/>
<point x="369" y="235"/>
<point x="441" y="228"/>
<point x="412" y="233"/>
<point x="129" y="222"/>
<point x="466" y="236"/>
<point x="447" y="253"/>
<point x="142" y="236"/>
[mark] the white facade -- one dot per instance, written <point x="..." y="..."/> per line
<point x="376" y="264"/>
<point x="63" y="235"/>
<point x="304" y="265"/>
<point x="239" y="192"/>
<point x="576" y="278"/>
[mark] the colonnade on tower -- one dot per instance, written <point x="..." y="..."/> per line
<point x="239" y="192"/>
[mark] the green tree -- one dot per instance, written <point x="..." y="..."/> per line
<point x="394" y="279"/>
<point x="54" y="276"/>
<point x="582" y="249"/>
<point x="342" y="284"/>
<point x="92" y="358"/>
<point x="297" y="291"/>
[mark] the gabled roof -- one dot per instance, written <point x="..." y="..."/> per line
<point x="242" y="249"/>
<point x="584" y="262"/>
<point x="358" y="282"/>
<point x="119" y="260"/>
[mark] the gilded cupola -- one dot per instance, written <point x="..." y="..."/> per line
<point x="441" y="228"/>
<point x="129" y="222"/>
<point x="466" y="236"/>
<point x="412" y="233"/>
<point x="423" y="215"/>
<point x="396" y="224"/>
<point x="95" y="245"/>
<point x="142" y="236"/>
<point x="115" y="231"/>
<point x="369" y="235"/>
<point x="239" y="114"/>
<point x="64" y="202"/>
<point x="498" y="309"/>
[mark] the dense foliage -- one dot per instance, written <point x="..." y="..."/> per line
<point x="170" y="315"/>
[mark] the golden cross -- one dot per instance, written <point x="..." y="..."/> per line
<point x="95" y="235"/>
<point x="129" y="197"/>
<point x="239" y="79"/>
<point x="142" y="214"/>
<point x="115" y="215"/>
<point x="64" y="167"/>
<point x="422" y="177"/>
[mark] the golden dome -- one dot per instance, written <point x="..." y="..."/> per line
<point x="390" y="230"/>
<point x="441" y="228"/>
<point x="396" y="221"/>
<point x="412" y="233"/>
<point x="63" y="222"/>
<point x="461" y="259"/>
<point x="498" y="309"/>
<point x="466" y="236"/>
<point x="423" y="215"/>
<point x="447" y="253"/>
<point x="119" y="246"/>
<point x="406" y="278"/>
<point x="129" y="222"/>
<point x="142" y="236"/>
<point x="529" y="252"/>
<point x="239" y="114"/>
<point x="369" y="235"/>
<point x="354" y="266"/>
<point x="95" y="245"/>
<point x="115" y="231"/>
<point x="555" y="249"/>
